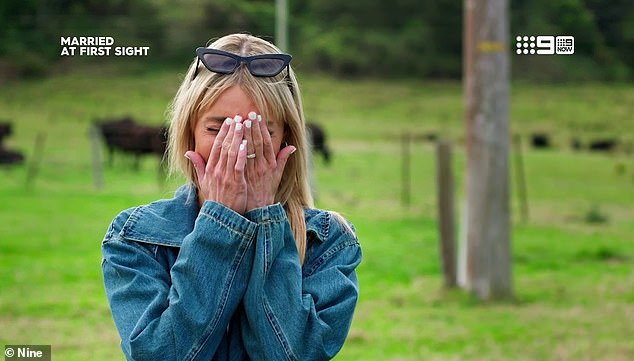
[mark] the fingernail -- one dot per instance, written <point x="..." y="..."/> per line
<point x="186" y="156"/>
<point x="243" y="145"/>
<point x="293" y="150"/>
<point x="238" y="126"/>
<point x="247" y="124"/>
<point x="259" y="118"/>
<point x="228" y="121"/>
<point x="237" y="119"/>
<point x="252" y="115"/>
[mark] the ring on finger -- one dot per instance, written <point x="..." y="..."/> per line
<point x="251" y="156"/>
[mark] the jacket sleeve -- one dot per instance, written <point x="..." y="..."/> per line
<point x="292" y="314"/>
<point x="180" y="313"/>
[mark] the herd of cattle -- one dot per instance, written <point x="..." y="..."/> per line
<point x="543" y="140"/>
<point x="126" y="135"/>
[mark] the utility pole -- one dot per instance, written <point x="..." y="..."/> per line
<point x="281" y="24"/>
<point x="486" y="89"/>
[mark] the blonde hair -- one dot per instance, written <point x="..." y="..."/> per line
<point x="276" y="97"/>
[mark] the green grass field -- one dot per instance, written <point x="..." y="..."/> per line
<point x="573" y="263"/>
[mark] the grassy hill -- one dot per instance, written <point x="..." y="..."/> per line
<point x="573" y="260"/>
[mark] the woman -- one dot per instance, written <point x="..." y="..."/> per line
<point x="238" y="265"/>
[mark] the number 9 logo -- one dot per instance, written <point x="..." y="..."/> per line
<point x="545" y="45"/>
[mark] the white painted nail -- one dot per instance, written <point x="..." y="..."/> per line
<point x="238" y="126"/>
<point x="259" y="118"/>
<point x="243" y="145"/>
<point x="252" y="115"/>
<point x="228" y="121"/>
<point x="247" y="124"/>
<point x="237" y="119"/>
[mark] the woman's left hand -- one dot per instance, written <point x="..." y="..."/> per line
<point x="264" y="171"/>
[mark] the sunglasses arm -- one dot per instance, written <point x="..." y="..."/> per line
<point x="196" y="69"/>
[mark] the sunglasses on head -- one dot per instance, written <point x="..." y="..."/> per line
<point x="263" y="65"/>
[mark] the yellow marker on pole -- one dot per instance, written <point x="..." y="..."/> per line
<point x="490" y="46"/>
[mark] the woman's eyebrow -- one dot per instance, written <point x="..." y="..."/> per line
<point x="218" y="118"/>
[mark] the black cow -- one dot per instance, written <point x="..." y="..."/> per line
<point x="317" y="137"/>
<point x="603" y="145"/>
<point x="5" y="130"/>
<point x="8" y="156"/>
<point x="128" y="136"/>
<point x="540" y="140"/>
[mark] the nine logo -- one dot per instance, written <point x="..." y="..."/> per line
<point x="545" y="45"/>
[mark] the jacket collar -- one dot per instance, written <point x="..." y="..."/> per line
<point x="168" y="221"/>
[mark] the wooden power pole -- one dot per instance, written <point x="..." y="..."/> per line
<point x="486" y="86"/>
<point x="281" y="24"/>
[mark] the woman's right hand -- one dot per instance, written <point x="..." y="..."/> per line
<point x="222" y="178"/>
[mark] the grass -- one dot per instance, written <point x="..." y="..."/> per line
<point x="573" y="276"/>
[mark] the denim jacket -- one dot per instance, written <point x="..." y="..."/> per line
<point x="190" y="283"/>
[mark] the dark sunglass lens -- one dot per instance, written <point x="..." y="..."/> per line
<point x="220" y="63"/>
<point x="266" y="67"/>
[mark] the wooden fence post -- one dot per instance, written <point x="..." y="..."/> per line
<point x="405" y="170"/>
<point x="97" y="164"/>
<point x="446" y="220"/>
<point x="36" y="159"/>
<point x="521" y="178"/>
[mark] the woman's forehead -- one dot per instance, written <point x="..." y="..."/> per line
<point x="239" y="100"/>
